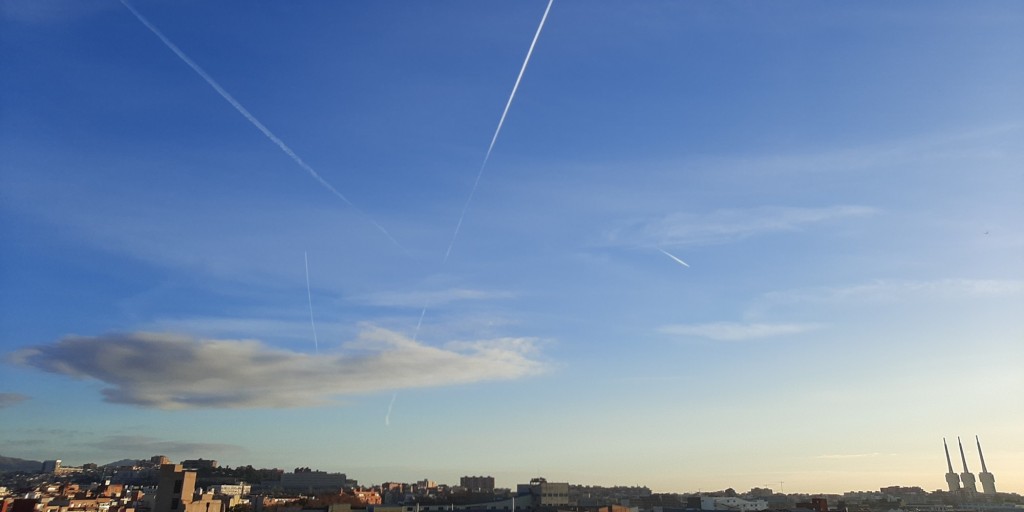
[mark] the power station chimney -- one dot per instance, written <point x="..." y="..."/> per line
<point x="967" y="477"/>
<point x="988" y="480"/>
<point x="952" y="480"/>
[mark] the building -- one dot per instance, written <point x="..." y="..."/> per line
<point x="544" y="493"/>
<point x="313" y="482"/>
<point x="613" y="508"/>
<point x="988" y="480"/>
<point x="23" y="504"/>
<point x="200" y="464"/>
<point x="176" y="492"/>
<point x="367" y="497"/>
<point x="110" y="490"/>
<point x="732" y="503"/>
<point x="242" y="489"/>
<point x="51" y="467"/>
<point x="816" y="504"/>
<point x="483" y="484"/>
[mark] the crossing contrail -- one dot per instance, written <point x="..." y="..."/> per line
<point x="309" y="295"/>
<point x="497" y="131"/>
<point x="670" y="255"/>
<point x="256" y="122"/>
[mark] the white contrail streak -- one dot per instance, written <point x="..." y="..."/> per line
<point x="494" y="139"/>
<point x="670" y="255"/>
<point x="255" y="122"/>
<point x="423" y="313"/>
<point x="309" y="295"/>
<point x="387" y="417"/>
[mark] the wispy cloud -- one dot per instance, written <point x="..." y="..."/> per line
<point x="143" y="444"/>
<point x="48" y="11"/>
<point x="416" y="299"/>
<point x="732" y="331"/>
<point x="727" y="225"/>
<point x="294" y="329"/>
<point x="9" y="399"/>
<point x="849" y="456"/>
<point x="173" y="371"/>
<point x="883" y="290"/>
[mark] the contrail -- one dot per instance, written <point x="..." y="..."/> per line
<point x="670" y="255"/>
<point x="309" y="294"/>
<point x="423" y="313"/>
<point x="494" y="139"/>
<point x="387" y="417"/>
<point x="255" y="122"/>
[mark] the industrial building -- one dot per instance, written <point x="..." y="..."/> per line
<point x="953" y="481"/>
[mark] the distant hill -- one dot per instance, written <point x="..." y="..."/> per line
<point x="8" y="464"/>
<point x="122" y="462"/>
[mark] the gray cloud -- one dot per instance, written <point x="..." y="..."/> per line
<point x="9" y="399"/>
<point x="173" y="371"/>
<point x="727" y="225"/>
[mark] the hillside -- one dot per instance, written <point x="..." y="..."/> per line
<point x="8" y="464"/>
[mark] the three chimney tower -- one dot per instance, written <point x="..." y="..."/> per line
<point x="988" y="480"/>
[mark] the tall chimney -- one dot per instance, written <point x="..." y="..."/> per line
<point x="967" y="477"/>
<point x="952" y="480"/>
<point x="988" y="480"/>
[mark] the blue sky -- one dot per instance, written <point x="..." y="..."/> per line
<point x="843" y="181"/>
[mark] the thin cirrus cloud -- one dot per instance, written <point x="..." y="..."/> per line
<point x="727" y="225"/>
<point x="733" y="331"/>
<point x="891" y="290"/>
<point x="849" y="455"/>
<point x="173" y="371"/>
<point x="416" y="299"/>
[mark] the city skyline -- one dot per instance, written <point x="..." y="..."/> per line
<point x="673" y="243"/>
<point x="156" y="461"/>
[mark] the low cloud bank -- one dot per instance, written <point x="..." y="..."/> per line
<point x="144" y="444"/>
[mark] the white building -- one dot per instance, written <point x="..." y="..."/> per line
<point x="737" y="504"/>
<point x="232" y="490"/>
